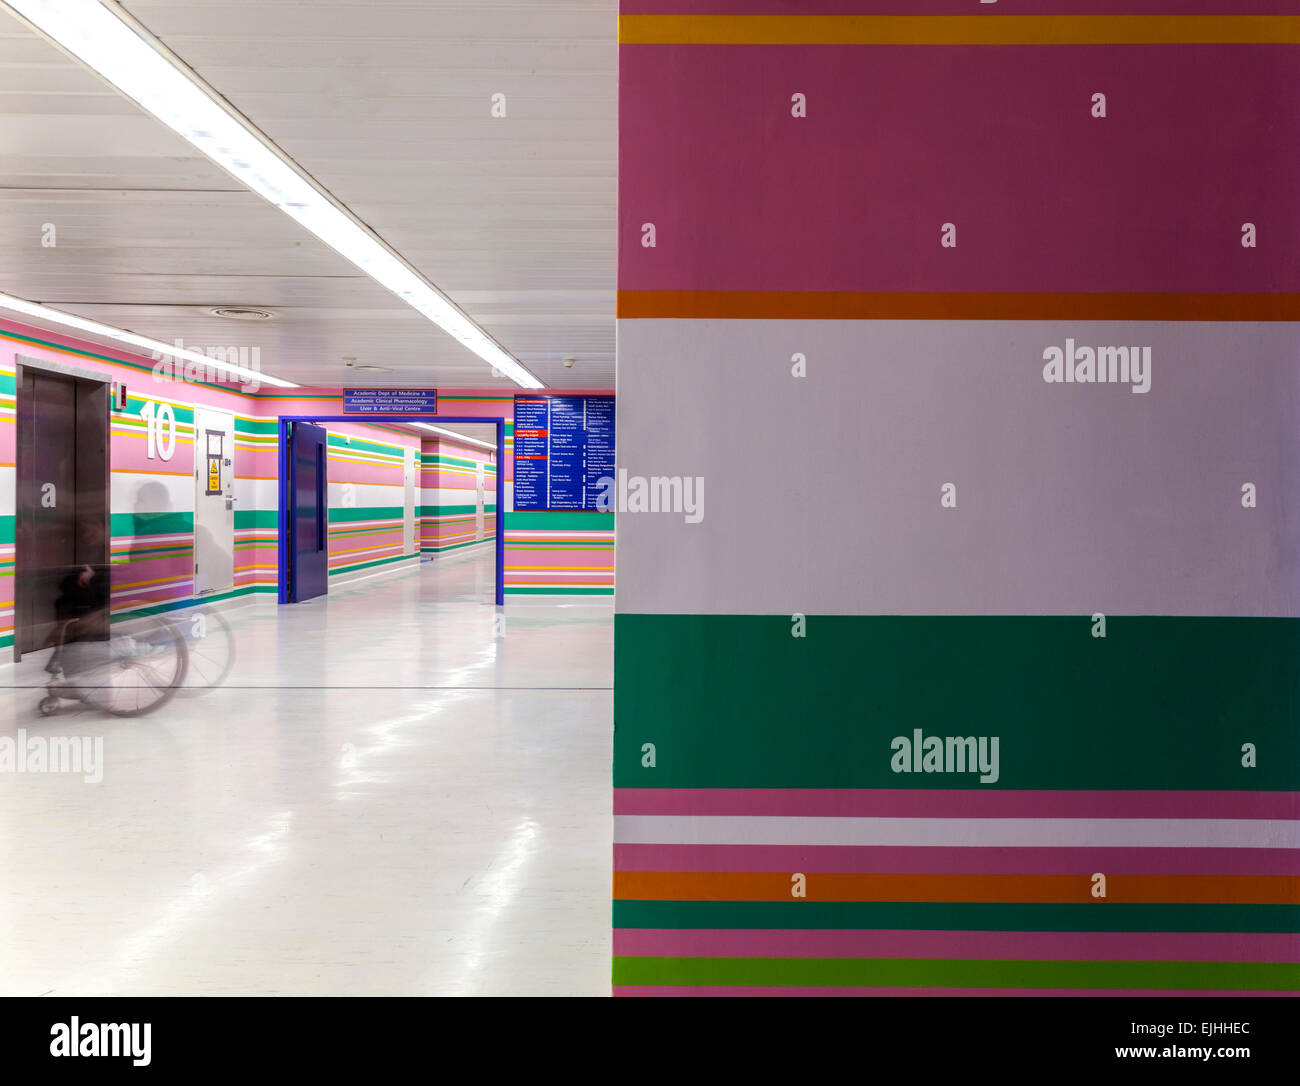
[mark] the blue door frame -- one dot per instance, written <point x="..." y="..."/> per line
<point x="286" y="476"/>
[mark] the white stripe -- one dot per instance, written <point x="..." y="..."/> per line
<point x="973" y="832"/>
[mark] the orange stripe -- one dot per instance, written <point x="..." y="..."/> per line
<point x="776" y="886"/>
<point x="889" y="305"/>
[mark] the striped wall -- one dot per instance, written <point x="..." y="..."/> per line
<point x="152" y="501"/>
<point x="873" y="233"/>
<point x="367" y="509"/>
<point x="449" y="495"/>
<point x="554" y="553"/>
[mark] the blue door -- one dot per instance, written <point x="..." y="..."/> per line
<point x="308" y="513"/>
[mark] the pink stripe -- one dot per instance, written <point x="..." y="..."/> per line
<point x="1009" y="945"/>
<point x="719" y="990"/>
<point x="954" y="803"/>
<point x="853" y="197"/>
<point x="850" y="859"/>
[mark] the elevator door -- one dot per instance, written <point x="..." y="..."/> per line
<point x="309" y="514"/>
<point x="62" y="531"/>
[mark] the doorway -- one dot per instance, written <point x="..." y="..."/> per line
<point x="308" y="522"/>
<point x="62" y="534"/>
<point x="214" y="502"/>
<point x="297" y="470"/>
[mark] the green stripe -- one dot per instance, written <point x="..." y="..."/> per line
<point x="257" y="518"/>
<point x="374" y="512"/>
<point x="367" y="565"/>
<point x="135" y="524"/>
<point x="183" y="415"/>
<point x="1159" y="703"/>
<point x="956" y="916"/>
<point x="177" y="605"/>
<point x="945" y="973"/>
<point x="356" y="444"/>
<point x="452" y="510"/>
<point x="561" y="522"/>
<point x="8" y="384"/>
<point x="249" y="427"/>
<point x="7" y="529"/>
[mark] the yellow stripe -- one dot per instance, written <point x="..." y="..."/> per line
<point x="958" y="29"/>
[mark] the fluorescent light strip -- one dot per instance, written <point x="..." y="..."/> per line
<point x="123" y="53"/>
<point x="458" y="437"/>
<point x="156" y="346"/>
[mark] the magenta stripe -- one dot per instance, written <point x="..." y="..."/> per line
<point x="1010" y="945"/>
<point x="959" y="7"/>
<point x="953" y="803"/>
<point x="718" y="136"/>
<point x="851" y="859"/>
<point x="721" y="990"/>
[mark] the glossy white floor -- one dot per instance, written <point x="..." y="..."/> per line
<point x="384" y="798"/>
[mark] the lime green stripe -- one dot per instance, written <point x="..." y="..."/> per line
<point x="580" y="521"/>
<point x="1158" y="703"/>
<point x="955" y="916"/>
<point x="945" y="973"/>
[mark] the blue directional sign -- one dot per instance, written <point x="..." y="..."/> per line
<point x="564" y="446"/>
<point x="390" y="401"/>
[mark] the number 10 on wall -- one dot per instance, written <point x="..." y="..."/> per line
<point x="160" y="421"/>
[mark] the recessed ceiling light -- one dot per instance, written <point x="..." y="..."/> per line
<point x="369" y="368"/>
<point x="122" y="51"/>
<point x="240" y="313"/>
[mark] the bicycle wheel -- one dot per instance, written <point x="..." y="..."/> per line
<point x="211" y="647"/>
<point x="135" y="672"/>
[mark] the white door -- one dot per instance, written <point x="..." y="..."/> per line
<point x="478" y="501"/>
<point x="408" y="520"/>
<point x="214" y="502"/>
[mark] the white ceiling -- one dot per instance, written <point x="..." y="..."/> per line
<point x="385" y="103"/>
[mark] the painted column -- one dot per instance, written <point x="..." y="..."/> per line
<point x="975" y="671"/>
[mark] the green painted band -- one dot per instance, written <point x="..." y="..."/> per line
<point x="1159" y="703"/>
<point x="141" y="524"/>
<point x="956" y="916"/>
<point x="257" y="518"/>
<point x="560" y="522"/>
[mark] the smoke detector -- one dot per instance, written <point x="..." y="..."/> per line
<point x="240" y="313"/>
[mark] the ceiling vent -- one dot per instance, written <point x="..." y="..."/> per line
<point x="240" y="313"/>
